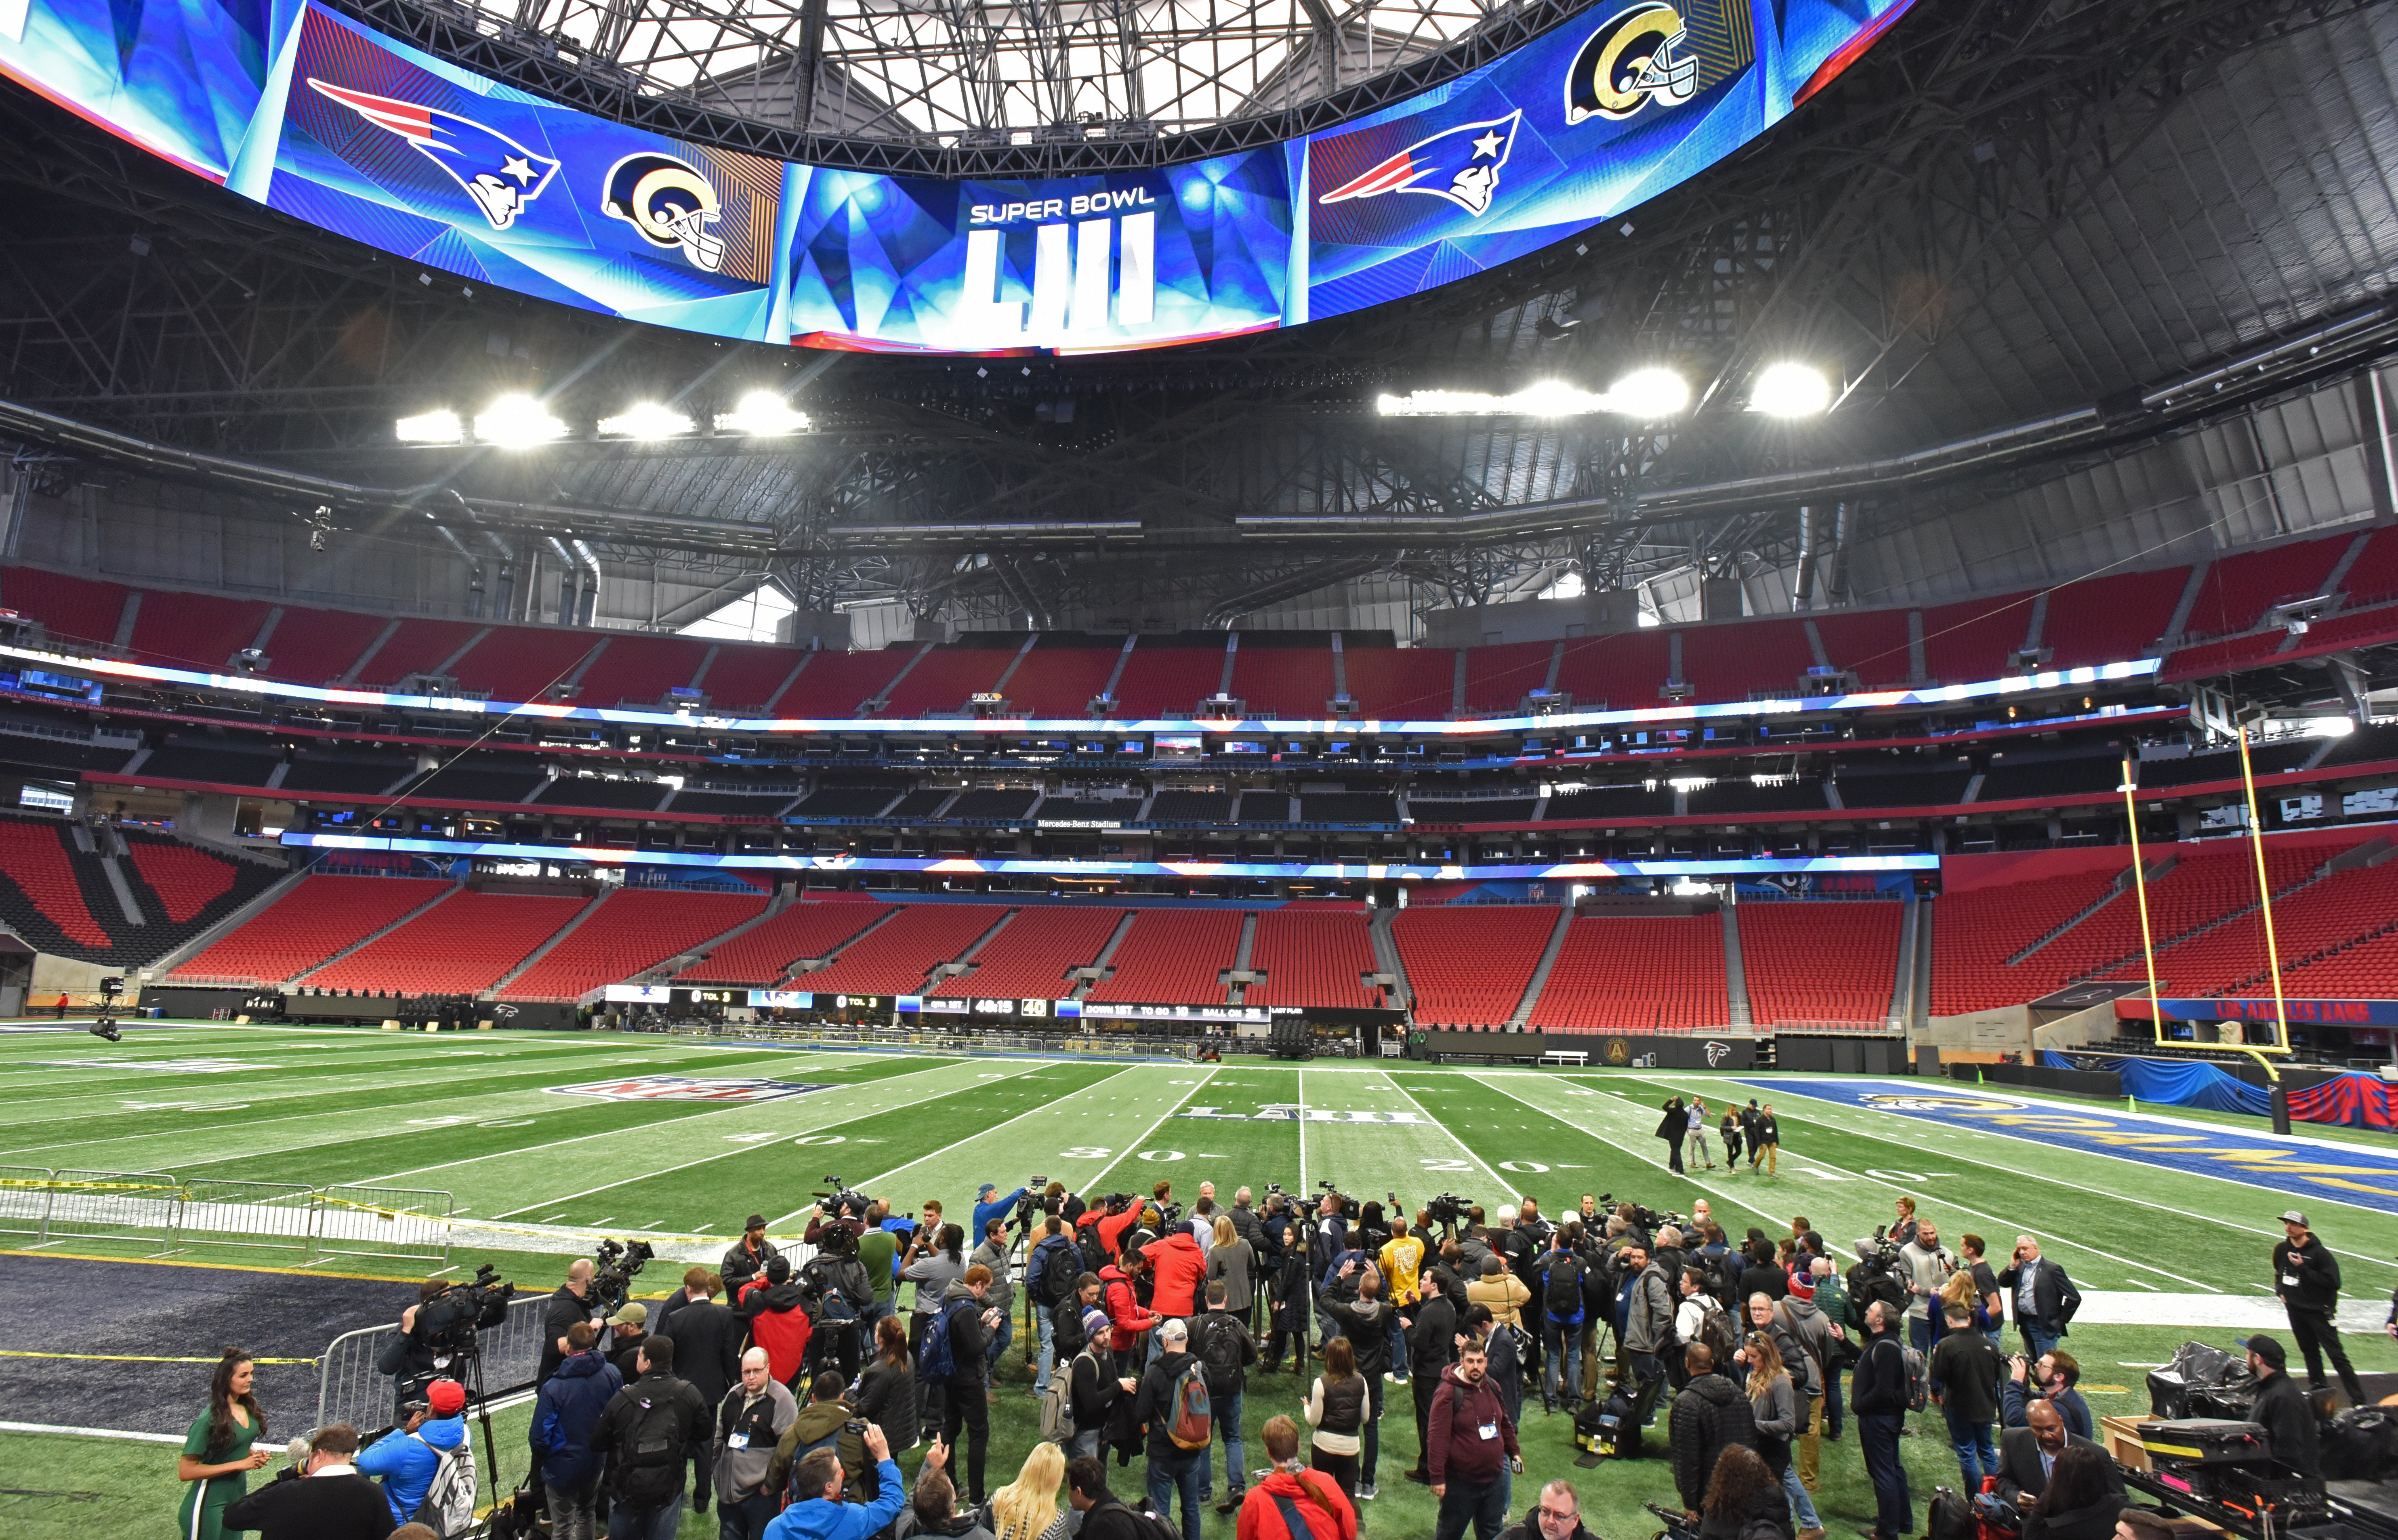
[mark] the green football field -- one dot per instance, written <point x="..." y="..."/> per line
<point x="536" y="1172"/>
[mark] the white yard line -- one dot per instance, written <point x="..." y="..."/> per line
<point x="1504" y="1185"/>
<point x="1093" y="1184"/>
<point x="1901" y="1187"/>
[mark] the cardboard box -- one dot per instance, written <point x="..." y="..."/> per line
<point x="2121" y="1436"/>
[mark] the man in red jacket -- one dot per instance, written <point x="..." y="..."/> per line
<point x="1471" y="1446"/>
<point x="1126" y="1320"/>
<point x="1177" y="1268"/>
<point x="1293" y="1503"/>
<point x="776" y="1321"/>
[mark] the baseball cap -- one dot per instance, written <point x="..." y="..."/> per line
<point x="987" y="1189"/>
<point x="1174" y="1332"/>
<point x="2268" y="1349"/>
<point x="2291" y="1216"/>
<point x="446" y="1398"/>
<point x="755" y="1221"/>
<point x="632" y="1314"/>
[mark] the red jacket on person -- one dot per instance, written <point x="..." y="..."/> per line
<point x="1454" y="1446"/>
<point x="778" y="1325"/>
<point x="1123" y="1308"/>
<point x="1112" y="1228"/>
<point x="1316" y="1496"/>
<point x="1177" y="1269"/>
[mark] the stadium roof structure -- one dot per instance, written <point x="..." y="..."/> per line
<point x="2097" y="280"/>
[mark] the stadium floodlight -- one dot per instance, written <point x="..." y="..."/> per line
<point x="517" y="422"/>
<point x="437" y="427"/>
<point x="1790" y="390"/>
<point x="1648" y="394"/>
<point x="762" y="414"/>
<point x="646" y="420"/>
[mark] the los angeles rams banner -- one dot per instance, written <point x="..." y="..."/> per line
<point x="300" y="109"/>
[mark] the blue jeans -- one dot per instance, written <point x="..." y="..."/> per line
<point x="1185" y="1471"/>
<point x="1803" y="1506"/>
<point x="1228" y="1426"/>
<point x="1976" y="1456"/>
<point x="1398" y="1341"/>
<point x="1483" y="1504"/>
<point x="1000" y="1339"/>
<point x="1048" y="1330"/>
<point x="2038" y="1343"/>
<point x="1084" y="1444"/>
<point x="1562" y="1343"/>
<point x="658" y="1523"/>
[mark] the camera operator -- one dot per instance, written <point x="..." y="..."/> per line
<point x="439" y="1330"/>
<point x="991" y="1204"/>
<point x="837" y="1294"/>
<point x="993" y="1254"/>
<point x="748" y="1256"/>
<point x="322" y="1498"/>
<point x="573" y="1303"/>
<point x="750" y="1421"/>
<point x="2045" y="1297"/>
<point x="408" y="1457"/>
<point x="828" y="1421"/>
<point x="2307" y="1277"/>
<point x="628" y="1329"/>
<point x="2052" y="1379"/>
<point x="935" y="1259"/>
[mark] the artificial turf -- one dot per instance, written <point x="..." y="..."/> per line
<point x="474" y="1119"/>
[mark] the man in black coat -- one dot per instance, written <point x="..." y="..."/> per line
<point x="2282" y="1409"/>
<point x="708" y="1348"/>
<point x="648" y="1430"/>
<point x="1671" y="1128"/>
<point x="1432" y="1346"/>
<point x="2025" y="1455"/>
<point x="1709" y="1417"/>
<point x="2307" y="1277"/>
<point x="323" y="1499"/>
<point x="2045" y="1299"/>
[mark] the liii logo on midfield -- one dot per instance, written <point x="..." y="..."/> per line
<point x="1460" y="164"/>
<point x="501" y="175"/>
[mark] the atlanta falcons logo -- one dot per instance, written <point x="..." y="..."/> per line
<point x="1459" y="163"/>
<point x="501" y="175"/>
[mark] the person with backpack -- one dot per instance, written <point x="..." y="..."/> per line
<point x="1174" y="1408"/>
<point x="953" y="1360"/>
<point x="1832" y="1302"/>
<point x="566" y="1410"/>
<point x="1744" y="1500"/>
<point x="1225" y="1350"/>
<point x="412" y="1457"/>
<point x="828" y="1421"/>
<point x="838" y="1294"/>
<point x="750" y="1422"/>
<point x="1066" y="1333"/>
<point x="1103" y="1514"/>
<point x="824" y="1516"/>
<point x="1364" y="1321"/>
<point x="1779" y="1411"/>
<point x="1094" y="1385"/>
<point x="1052" y="1270"/>
<point x="773" y="1306"/>
<point x="1805" y="1340"/>
<point x="1558" y="1279"/>
<point x="1689" y="1321"/>
<point x="1710" y="1415"/>
<point x="1879" y="1394"/>
<point x="651" y="1430"/>
<point x="1292" y="1502"/>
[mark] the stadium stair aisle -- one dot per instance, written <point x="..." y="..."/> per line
<point x="462" y="945"/>
<point x="307" y="925"/>
<point x="1030" y="957"/>
<point x="1173" y="957"/>
<point x="903" y="952"/>
<point x="1469" y="964"/>
<point x="764" y="953"/>
<point x="633" y="929"/>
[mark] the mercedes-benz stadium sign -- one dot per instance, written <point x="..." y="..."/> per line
<point x="296" y="107"/>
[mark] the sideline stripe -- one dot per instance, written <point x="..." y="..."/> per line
<point x="176" y="1440"/>
<point x="1901" y="1187"/>
<point x="135" y="1358"/>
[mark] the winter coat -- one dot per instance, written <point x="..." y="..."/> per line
<point x="887" y="1397"/>
<point x="1236" y="1266"/>
<point x="406" y="1462"/>
<point x="1366" y="1324"/>
<point x="742" y="1471"/>
<point x="1321" y="1507"/>
<point x="1768" y="1504"/>
<point x="1649" y="1319"/>
<point x="1709" y="1417"/>
<point x="1129" y="1320"/>
<point x="1179" y="1268"/>
<point x="564" y="1413"/>
<point x="1154" y="1409"/>
<point x="817" y="1520"/>
<point x="816" y="1421"/>
<point x="1454" y="1446"/>
<point x="777" y="1324"/>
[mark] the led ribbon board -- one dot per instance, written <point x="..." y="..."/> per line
<point x="1930" y="695"/>
<point x="299" y="108"/>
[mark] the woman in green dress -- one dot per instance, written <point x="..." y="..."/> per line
<point x="217" y="1455"/>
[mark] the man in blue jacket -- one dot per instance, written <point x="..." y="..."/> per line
<point x="825" y="1517"/>
<point x="408" y="1456"/>
<point x="564" y="1413"/>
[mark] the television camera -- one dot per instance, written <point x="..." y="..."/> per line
<point x="1449" y="1210"/>
<point x="1651" y="1220"/>
<point x="112" y="987"/>
<point x="840" y="1201"/>
<point x="611" y="1279"/>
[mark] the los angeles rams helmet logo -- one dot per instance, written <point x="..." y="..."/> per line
<point x="1630" y="61"/>
<point x="670" y="203"/>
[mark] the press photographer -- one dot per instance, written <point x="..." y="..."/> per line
<point x="440" y="1330"/>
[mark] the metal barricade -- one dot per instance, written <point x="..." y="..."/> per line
<point x="351" y="1389"/>
<point x="277" y="1216"/>
<point x="137" y="1206"/>
<point x="395" y="1224"/>
<point x="24" y="1199"/>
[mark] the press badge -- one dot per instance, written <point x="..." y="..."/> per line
<point x="1490" y="1430"/>
<point x="736" y="1441"/>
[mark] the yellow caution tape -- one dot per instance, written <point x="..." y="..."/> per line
<point x="26" y="1185"/>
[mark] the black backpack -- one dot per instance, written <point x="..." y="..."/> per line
<point x="649" y="1455"/>
<point x="1060" y="1266"/>
<point x="1561" y="1294"/>
<point x="1950" y="1517"/>
<point x="1219" y="1352"/>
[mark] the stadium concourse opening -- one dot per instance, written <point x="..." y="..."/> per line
<point x="734" y="744"/>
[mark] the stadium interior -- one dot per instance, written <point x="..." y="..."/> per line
<point x="1498" y="552"/>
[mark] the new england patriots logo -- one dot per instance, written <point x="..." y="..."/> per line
<point x="501" y="175"/>
<point x="1459" y="163"/>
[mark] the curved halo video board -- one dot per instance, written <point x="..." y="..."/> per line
<point x="296" y="107"/>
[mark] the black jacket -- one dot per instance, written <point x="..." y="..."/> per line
<point x="2284" y="1412"/>
<point x="1767" y="1504"/>
<point x="642" y="1478"/>
<point x="1154" y="1407"/>
<point x="562" y="1311"/>
<point x="1212" y="1327"/>
<point x="1066" y="1333"/>
<point x="1091" y="1379"/>
<point x="1366" y="1325"/>
<point x="1433" y="1346"/>
<point x="2307" y="1277"/>
<point x="314" y="1507"/>
<point x="887" y="1397"/>
<point x="1966" y="1367"/>
<point x="2021" y="1477"/>
<point x="1709" y="1417"/>
<point x="2094" y="1523"/>
<point x="1108" y="1519"/>
<point x="707" y="1346"/>
<point x="1879" y="1384"/>
<point x="1676" y="1122"/>
<point x="2054" y="1298"/>
<point x="968" y="1341"/>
